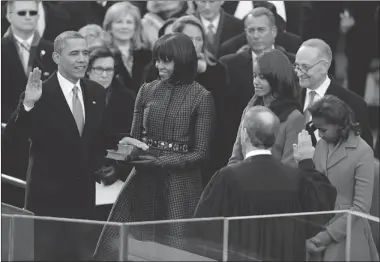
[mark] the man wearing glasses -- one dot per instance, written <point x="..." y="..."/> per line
<point x="21" y="50"/>
<point x="313" y="61"/>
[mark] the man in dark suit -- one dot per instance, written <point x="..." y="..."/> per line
<point x="291" y="42"/>
<point x="297" y="13"/>
<point x="261" y="32"/>
<point x="21" y="50"/>
<point x="313" y="61"/>
<point x="219" y="26"/>
<point x="52" y="21"/>
<point x="63" y="118"/>
<point x="261" y="185"/>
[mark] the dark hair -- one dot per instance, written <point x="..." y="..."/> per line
<point x="276" y="68"/>
<point x="99" y="52"/>
<point x="178" y="48"/>
<point x="336" y="112"/>
<point x="168" y="22"/>
<point x="262" y="126"/>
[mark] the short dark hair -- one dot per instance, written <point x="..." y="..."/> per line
<point x="336" y="112"/>
<point x="99" y="52"/>
<point x="262" y="126"/>
<point x="60" y="40"/>
<point x="276" y="68"/>
<point x="179" y="48"/>
<point x="168" y="22"/>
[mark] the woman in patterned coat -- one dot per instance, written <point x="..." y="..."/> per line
<point x="174" y="116"/>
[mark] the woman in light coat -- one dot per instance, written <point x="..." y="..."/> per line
<point x="348" y="162"/>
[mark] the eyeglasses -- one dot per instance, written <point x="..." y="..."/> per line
<point x="304" y="69"/>
<point x="31" y="13"/>
<point x="100" y="70"/>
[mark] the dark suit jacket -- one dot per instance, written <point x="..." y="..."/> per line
<point x="14" y="79"/>
<point x="57" y="20"/>
<point x="357" y="104"/>
<point x="141" y="59"/>
<point x="240" y="89"/>
<point x="60" y="180"/>
<point x="262" y="185"/>
<point x="289" y="41"/>
<point x="228" y="27"/>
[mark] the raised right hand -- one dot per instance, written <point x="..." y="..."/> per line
<point x="134" y="142"/>
<point x="33" y="90"/>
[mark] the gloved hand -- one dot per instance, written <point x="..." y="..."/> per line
<point x="146" y="161"/>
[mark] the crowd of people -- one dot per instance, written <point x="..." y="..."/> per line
<point x="230" y="116"/>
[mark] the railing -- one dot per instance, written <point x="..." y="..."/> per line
<point x="13" y="181"/>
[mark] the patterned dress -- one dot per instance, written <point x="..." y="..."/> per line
<point x="163" y="112"/>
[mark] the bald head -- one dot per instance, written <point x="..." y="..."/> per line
<point x="261" y="126"/>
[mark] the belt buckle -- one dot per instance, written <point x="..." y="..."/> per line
<point x="161" y="144"/>
<point x="175" y="147"/>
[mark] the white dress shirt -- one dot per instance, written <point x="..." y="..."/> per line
<point x="257" y="152"/>
<point x="214" y="22"/>
<point x="320" y="92"/>
<point x="67" y="89"/>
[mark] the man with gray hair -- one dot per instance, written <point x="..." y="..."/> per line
<point x="63" y="119"/>
<point x="261" y="185"/>
<point x="313" y="61"/>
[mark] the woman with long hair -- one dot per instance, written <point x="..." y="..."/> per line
<point x="277" y="88"/>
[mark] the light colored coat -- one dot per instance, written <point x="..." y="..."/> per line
<point x="351" y="170"/>
<point x="282" y="149"/>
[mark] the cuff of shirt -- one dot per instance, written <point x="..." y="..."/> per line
<point x="27" y="108"/>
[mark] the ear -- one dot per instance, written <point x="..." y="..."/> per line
<point x="274" y="31"/>
<point x="56" y="57"/>
<point x="8" y="16"/>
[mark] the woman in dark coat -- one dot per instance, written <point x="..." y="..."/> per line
<point x="174" y="116"/>
<point x="122" y="24"/>
<point x="211" y="75"/>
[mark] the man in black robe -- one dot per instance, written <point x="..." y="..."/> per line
<point x="261" y="185"/>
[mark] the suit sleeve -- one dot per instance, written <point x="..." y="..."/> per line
<point x="204" y="123"/>
<point x="316" y="194"/>
<point x="19" y="126"/>
<point x="364" y="178"/>
<point x="294" y="126"/>
<point x="237" y="152"/>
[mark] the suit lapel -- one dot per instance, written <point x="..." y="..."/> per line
<point x="61" y="109"/>
<point x="89" y="104"/>
<point x="336" y="156"/>
<point x="341" y="151"/>
<point x="219" y="32"/>
<point x="248" y="65"/>
<point x="14" y="49"/>
<point x="33" y="53"/>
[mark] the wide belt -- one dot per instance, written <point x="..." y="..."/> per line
<point x="164" y="145"/>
